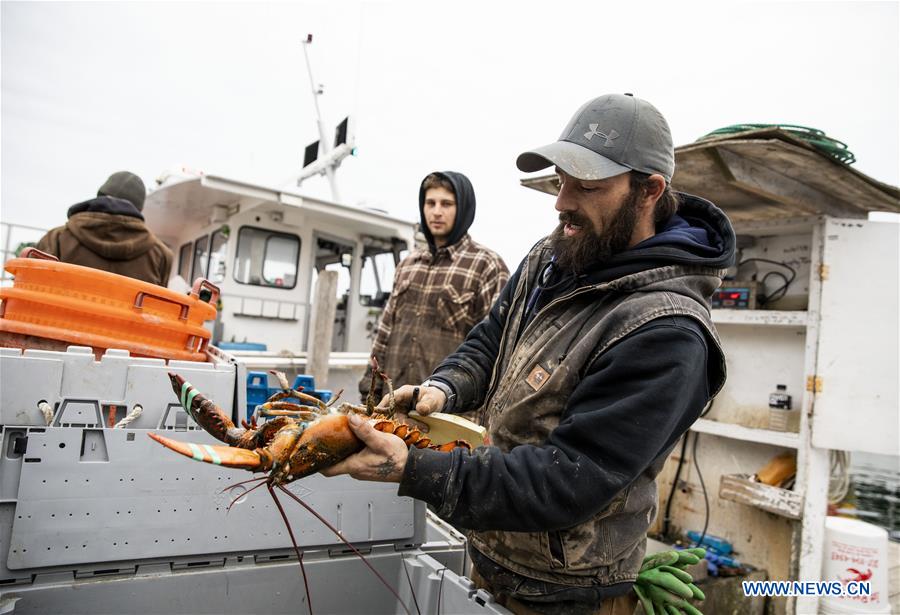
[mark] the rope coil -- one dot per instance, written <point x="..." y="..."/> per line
<point x="815" y="137"/>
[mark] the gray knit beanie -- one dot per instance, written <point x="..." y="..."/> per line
<point x="125" y="185"/>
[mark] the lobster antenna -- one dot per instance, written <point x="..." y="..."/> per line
<point x="243" y="482"/>
<point x="255" y="487"/>
<point x="287" y="524"/>
<point x="409" y="582"/>
<point x="440" y="589"/>
<point x="346" y="542"/>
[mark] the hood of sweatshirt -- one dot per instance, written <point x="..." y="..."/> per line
<point x="699" y="234"/>
<point x="465" y="208"/>
<point x="110" y="227"/>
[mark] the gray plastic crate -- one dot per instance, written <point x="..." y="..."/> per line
<point x="80" y="389"/>
<point x="94" y="519"/>
<point x="340" y="585"/>
<point x="85" y="499"/>
<point x="446" y="544"/>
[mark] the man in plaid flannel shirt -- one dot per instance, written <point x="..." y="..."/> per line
<point x="440" y="293"/>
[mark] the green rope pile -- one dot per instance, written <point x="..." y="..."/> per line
<point x="813" y="136"/>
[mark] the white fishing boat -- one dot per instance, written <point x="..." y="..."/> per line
<point x="265" y="249"/>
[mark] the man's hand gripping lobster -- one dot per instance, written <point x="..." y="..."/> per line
<point x="384" y="457"/>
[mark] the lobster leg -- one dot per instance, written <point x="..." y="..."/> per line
<point x="284" y="408"/>
<point x="287" y="391"/>
<point x="296" y="393"/>
<point x="370" y="398"/>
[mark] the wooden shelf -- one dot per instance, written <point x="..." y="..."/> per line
<point x="769" y="318"/>
<point x="743" y="489"/>
<point x="748" y="434"/>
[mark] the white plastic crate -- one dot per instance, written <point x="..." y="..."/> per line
<point x="446" y="544"/>
<point x="86" y="498"/>
<point x="80" y="390"/>
<point x="339" y="585"/>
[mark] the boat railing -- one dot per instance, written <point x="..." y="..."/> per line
<point x="14" y="235"/>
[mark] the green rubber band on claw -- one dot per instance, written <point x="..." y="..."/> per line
<point x="188" y="393"/>
<point x="213" y="454"/>
<point x="198" y="454"/>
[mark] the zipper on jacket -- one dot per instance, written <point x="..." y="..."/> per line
<point x="492" y="383"/>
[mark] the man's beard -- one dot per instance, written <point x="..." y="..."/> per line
<point x="587" y="248"/>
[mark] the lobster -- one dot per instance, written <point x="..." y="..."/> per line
<point x="297" y="441"/>
<point x="300" y="440"/>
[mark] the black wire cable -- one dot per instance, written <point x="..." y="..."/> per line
<point x="667" y="518"/>
<point x="702" y="486"/>
<point x="779" y="292"/>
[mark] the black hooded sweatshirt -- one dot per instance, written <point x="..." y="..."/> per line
<point x="670" y="353"/>
<point x="465" y="208"/>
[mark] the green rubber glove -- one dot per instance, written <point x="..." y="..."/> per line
<point x="664" y="587"/>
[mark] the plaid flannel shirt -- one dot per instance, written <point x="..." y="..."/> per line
<point x="436" y="300"/>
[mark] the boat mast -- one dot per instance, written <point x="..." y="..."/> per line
<point x="324" y="144"/>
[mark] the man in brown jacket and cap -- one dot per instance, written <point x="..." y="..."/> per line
<point x="108" y="233"/>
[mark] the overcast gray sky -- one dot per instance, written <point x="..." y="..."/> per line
<point x="91" y="88"/>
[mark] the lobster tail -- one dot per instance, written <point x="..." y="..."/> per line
<point x="449" y="446"/>
<point x="228" y="456"/>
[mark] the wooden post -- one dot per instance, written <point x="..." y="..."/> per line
<point x="322" y="327"/>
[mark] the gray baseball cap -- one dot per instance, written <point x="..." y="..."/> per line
<point x="608" y="136"/>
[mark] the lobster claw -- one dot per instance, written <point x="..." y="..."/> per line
<point x="228" y="456"/>
<point x="209" y="416"/>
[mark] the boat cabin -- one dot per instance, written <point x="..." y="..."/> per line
<point x="265" y="247"/>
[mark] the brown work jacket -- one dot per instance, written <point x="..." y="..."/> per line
<point x="111" y="242"/>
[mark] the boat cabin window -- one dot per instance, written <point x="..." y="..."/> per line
<point x="201" y="257"/>
<point x="184" y="262"/>
<point x="380" y="260"/>
<point x="204" y="258"/>
<point x="333" y="255"/>
<point x="266" y="258"/>
<point x="217" y="256"/>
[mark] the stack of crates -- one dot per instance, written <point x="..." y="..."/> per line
<point x="105" y="520"/>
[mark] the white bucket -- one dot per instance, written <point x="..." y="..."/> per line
<point x="856" y="551"/>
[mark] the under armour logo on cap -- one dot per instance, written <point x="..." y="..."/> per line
<point x="594" y="132"/>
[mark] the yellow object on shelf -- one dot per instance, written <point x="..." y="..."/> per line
<point x="778" y="470"/>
